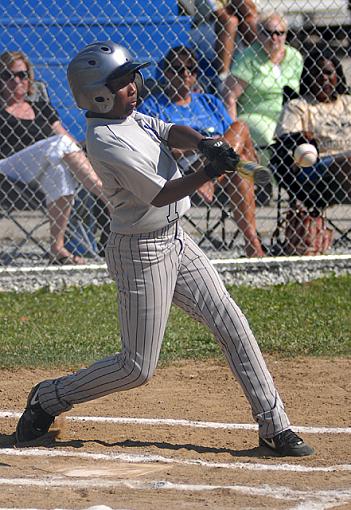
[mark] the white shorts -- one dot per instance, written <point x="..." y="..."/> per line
<point x="42" y="163"/>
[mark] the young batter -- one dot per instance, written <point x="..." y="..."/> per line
<point x="153" y="261"/>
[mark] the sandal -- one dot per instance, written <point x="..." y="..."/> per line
<point x="67" y="260"/>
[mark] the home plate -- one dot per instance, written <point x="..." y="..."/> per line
<point x="123" y="470"/>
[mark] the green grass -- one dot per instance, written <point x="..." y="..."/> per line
<point x="76" y="326"/>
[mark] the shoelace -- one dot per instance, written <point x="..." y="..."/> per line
<point x="288" y="437"/>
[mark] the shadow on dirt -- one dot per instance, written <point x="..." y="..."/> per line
<point x="249" y="452"/>
<point x="50" y="441"/>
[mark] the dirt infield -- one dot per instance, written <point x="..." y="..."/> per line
<point x="162" y="464"/>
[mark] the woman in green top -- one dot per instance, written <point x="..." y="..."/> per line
<point x="254" y="90"/>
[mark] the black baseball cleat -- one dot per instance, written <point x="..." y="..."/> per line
<point x="34" y="422"/>
<point x="287" y="444"/>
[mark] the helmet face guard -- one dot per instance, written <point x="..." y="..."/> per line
<point x="94" y="67"/>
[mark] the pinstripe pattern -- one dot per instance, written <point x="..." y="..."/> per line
<point x="152" y="271"/>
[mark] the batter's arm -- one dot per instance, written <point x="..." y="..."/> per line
<point x="179" y="188"/>
<point x="184" y="137"/>
<point x="181" y="137"/>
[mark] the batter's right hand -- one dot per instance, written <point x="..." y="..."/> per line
<point x="222" y="157"/>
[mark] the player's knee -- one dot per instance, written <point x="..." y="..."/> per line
<point x="144" y="375"/>
<point x="139" y="374"/>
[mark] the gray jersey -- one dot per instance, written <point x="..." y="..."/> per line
<point x="133" y="161"/>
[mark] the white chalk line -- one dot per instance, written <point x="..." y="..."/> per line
<point x="186" y="423"/>
<point x="274" y="260"/>
<point x="147" y="458"/>
<point x="277" y="492"/>
<point x="94" y="507"/>
<point x="317" y="501"/>
<point x="237" y="261"/>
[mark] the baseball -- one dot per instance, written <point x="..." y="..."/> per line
<point x="305" y="155"/>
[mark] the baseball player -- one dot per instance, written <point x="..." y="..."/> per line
<point x="152" y="260"/>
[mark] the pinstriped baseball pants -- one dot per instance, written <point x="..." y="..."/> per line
<point x="152" y="271"/>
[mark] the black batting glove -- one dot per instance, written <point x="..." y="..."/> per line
<point x="222" y="157"/>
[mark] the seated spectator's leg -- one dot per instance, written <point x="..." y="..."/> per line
<point x="242" y="197"/>
<point x="59" y="186"/>
<point x="226" y="29"/>
<point x="41" y="164"/>
<point x="241" y="191"/>
<point x="66" y="157"/>
<point x="82" y="170"/>
<point x="248" y="17"/>
<point x="59" y="211"/>
<point x="239" y="137"/>
<point x="231" y="89"/>
<point x="229" y="99"/>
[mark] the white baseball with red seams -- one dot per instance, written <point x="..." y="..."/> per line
<point x="305" y="155"/>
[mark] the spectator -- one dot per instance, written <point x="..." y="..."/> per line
<point x="36" y="148"/>
<point x="322" y="114"/>
<point x="217" y="23"/>
<point x="176" y="102"/>
<point x="253" y="91"/>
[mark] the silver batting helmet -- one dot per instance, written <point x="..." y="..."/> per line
<point x="93" y="67"/>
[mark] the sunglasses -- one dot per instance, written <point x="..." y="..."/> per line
<point x="9" y="75"/>
<point x="271" y="33"/>
<point x="180" y="69"/>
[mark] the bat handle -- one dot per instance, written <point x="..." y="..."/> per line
<point x="251" y="170"/>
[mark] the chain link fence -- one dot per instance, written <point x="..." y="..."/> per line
<point x="246" y="71"/>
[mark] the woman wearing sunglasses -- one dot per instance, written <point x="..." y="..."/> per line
<point x="36" y="148"/>
<point x="254" y="90"/>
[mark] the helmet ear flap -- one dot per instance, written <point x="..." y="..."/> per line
<point x="139" y="82"/>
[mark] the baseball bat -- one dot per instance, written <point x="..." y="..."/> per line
<point x="251" y="170"/>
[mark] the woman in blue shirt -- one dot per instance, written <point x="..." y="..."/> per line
<point x="181" y="102"/>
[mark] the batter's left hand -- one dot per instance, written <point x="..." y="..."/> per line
<point x="222" y="157"/>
